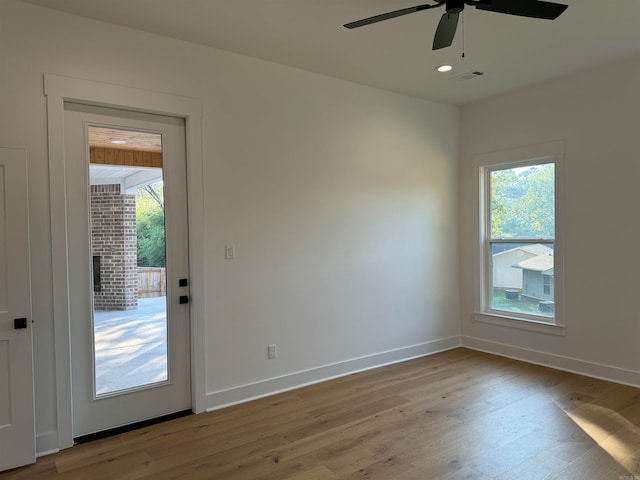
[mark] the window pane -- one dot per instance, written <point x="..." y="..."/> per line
<point x="523" y="202"/>
<point x="522" y="278"/>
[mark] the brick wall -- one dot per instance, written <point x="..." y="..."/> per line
<point x="113" y="235"/>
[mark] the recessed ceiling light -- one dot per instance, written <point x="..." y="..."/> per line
<point x="118" y="142"/>
<point x="444" y="68"/>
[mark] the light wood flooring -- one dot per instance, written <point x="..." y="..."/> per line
<point x="460" y="414"/>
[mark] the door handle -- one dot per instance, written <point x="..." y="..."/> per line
<point x="184" y="299"/>
<point x="19" y="323"/>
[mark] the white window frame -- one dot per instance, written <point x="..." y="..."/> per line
<point x="514" y="158"/>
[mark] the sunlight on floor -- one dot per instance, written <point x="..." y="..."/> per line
<point x="616" y="435"/>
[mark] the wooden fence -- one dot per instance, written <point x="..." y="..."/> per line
<point x="151" y="282"/>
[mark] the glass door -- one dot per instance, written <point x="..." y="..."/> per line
<point x="128" y="266"/>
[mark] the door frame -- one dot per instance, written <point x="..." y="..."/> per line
<point x="57" y="90"/>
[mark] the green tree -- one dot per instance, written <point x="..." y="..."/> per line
<point x="150" y="225"/>
<point x="534" y="212"/>
<point x="502" y="182"/>
<point x="522" y="202"/>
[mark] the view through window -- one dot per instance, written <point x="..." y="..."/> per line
<point x="520" y="234"/>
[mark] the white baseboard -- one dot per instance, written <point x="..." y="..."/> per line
<point x="559" y="362"/>
<point x="271" y="386"/>
<point x="46" y="443"/>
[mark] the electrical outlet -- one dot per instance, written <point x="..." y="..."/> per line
<point x="271" y="352"/>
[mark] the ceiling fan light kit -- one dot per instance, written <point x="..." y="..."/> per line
<point x="448" y="24"/>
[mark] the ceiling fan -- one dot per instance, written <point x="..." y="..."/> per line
<point x="449" y="21"/>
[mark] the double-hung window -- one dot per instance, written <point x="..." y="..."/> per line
<point x="519" y="268"/>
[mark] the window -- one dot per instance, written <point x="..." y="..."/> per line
<point x="547" y="284"/>
<point x="519" y="257"/>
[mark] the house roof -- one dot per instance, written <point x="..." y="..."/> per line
<point x="541" y="263"/>
<point x="533" y="249"/>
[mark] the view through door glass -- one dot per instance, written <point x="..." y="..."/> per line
<point x="128" y="259"/>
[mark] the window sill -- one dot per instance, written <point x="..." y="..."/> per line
<point x="519" y="323"/>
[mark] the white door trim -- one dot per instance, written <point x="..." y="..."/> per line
<point x="59" y="89"/>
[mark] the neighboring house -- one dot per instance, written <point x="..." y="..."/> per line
<point x="537" y="277"/>
<point x="506" y="265"/>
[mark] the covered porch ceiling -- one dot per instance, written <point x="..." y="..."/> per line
<point x="130" y="178"/>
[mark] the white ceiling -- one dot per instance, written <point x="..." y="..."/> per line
<point x="396" y="54"/>
<point x="129" y="178"/>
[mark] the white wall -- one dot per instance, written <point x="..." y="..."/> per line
<point x="596" y="114"/>
<point x="342" y="202"/>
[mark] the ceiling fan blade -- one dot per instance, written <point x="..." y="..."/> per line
<point x="446" y="30"/>
<point x="524" y="8"/>
<point x="387" y="16"/>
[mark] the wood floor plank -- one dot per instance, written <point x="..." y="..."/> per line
<point x="534" y="468"/>
<point x="107" y="468"/>
<point x="457" y="414"/>
<point x="595" y="463"/>
<point x="351" y="435"/>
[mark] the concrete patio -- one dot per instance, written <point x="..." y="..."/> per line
<point x="131" y="346"/>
